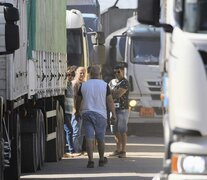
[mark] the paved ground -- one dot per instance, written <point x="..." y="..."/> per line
<point x="144" y="160"/>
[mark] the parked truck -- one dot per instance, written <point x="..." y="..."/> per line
<point x="90" y="11"/>
<point x="138" y="46"/>
<point x="77" y="40"/>
<point x="142" y="59"/>
<point x="183" y="67"/>
<point x="33" y="58"/>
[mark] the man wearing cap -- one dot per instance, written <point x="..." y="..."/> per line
<point x="120" y="94"/>
<point x="94" y="97"/>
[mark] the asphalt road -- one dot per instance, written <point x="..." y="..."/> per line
<point x="143" y="162"/>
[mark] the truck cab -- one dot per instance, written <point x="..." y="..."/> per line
<point x="77" y="41"/>
<point x="138" y="47"/>
<point x="142" y="59"/>
<point x="183" y="67"/>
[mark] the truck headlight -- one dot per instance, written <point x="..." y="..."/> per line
<point x="133" y="103"/>
<point x="189" y="164"/>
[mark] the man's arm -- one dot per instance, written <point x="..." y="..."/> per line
<point x="78" y="104"/>
<point x="110" y="105"/>
<point x="117" y="93"/>
<point x="75" y="91"/>
<point x="78" y="99"/>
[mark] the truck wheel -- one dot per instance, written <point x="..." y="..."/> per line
<point x="14" y="171"/>
<point x="1" y="157"/>
<point x="1" y="141"/>
<point x="60" y="131"/>
<point x="62" y="135"/>
<point x="41" y="140"/>
<point x="29" y="152"/>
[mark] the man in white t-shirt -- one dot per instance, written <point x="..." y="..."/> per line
<point x="94" y="97"/>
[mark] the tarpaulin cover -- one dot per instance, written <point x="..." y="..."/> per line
<point x="47" y="25"/>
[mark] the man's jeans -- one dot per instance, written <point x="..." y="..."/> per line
<point x="77" y="133"/>
<point x="69" y="133"/>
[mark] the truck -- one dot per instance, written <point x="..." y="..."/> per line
<point x="138" y="47"/>
<point x="142" y="59"/>
<point x="33" y="58"/>
<point x="115" y="45"/>
<point x="183" y="66"/>
<point x="77" y="40"/>
<point x="90" y="11"/>
<point x="83" y="48"/>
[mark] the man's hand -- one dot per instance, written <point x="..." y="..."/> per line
<point x="77" y="115"/>
<point x="112" y="120"/>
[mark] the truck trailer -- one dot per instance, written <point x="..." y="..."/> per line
<point x="183" y="66"/>
<point x="33" y="58"/>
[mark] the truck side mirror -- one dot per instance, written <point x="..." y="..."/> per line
<point x="149" y="12"/>
<point x="98" y="38"/>
<point x="11" y="14"/>
<point x="113" y="41"/>
<point x="11" y="37"/>
<point x="10" y="31"/>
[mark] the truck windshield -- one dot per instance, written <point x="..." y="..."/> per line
<point x="195" y="16"/>
<point x="145" y="51"/>
<point x="74" y="47"/>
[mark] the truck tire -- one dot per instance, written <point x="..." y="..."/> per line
<point x="51" y="154"/>
<point x="62" y="135"/>
<point x="29" y="152"/>
<point x="1" y="158"/>
<point x="60" y="130"/>
<point x="31" y="142"/>
<point x="41" y="137"/>
<point x="14" y="171"/>
<point x="1" y="141"/>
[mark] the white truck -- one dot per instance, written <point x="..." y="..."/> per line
<point x="183" y="66"/>
<point x="89" y="18"/>
<point x="77" y="40"/>
<point x="78" y="50"/>
<point x="90" y="10"/>
<point x="138" y="46"/>
<point x="142" y="59"/>
<point x="33" y="62"/>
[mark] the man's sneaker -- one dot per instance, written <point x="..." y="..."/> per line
<point x="75" y="154"/>
<point x="103" y="162"/>
<point x="115" y="153"/>
<point x="70" y="155"/>
<point x="90" y="164"/>
<point x="122" y="154"/>
<point x="67" y="155"/>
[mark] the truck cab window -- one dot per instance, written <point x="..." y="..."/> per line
<point x="74" y="47"/>
<point x="145" y="51"/>
<point x="122" y="45"/>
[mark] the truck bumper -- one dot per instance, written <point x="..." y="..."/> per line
<point x="162" y="176"/>
<point x="186" y="177"/>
